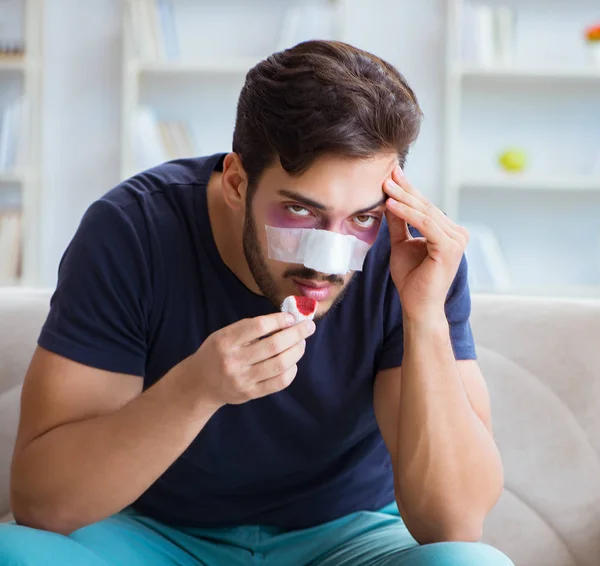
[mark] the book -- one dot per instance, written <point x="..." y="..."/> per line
<point x="153" y="29"/>
<point x="168" y="140"/>
<point x="14" y="137"/>
<point x="488" y="35"/>
<point x="147" y="142"/>
<point x="166" y="12"/>
<point x="178" y="139"/>
<point x="488" y="268"/>
<point x="156" y="141"/>
<point x="140" y="24"/>
<point x="10" y="246"/>
<point x="12" y="28"/>
<point x="185" y="141"/>
<point x="504" y="35"/>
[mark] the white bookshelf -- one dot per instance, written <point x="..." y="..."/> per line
<point x="201" y="87"/>
<point x="12" y="63"/>
<point x="546" y="101"/>
<point x="13" y="178"/>
<point x="215" y="67"/>
<point x="524" y="74"/>
<point x="518" y="182"/>
<point x="20" y="189"/>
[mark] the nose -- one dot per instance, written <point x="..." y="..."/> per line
<point x="335" y="226"/>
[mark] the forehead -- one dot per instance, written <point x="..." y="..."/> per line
<point x="335" y="181"/>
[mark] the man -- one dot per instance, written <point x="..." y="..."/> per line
<point x="172" y="415"/>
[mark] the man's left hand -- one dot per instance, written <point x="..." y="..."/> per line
<point x="422" y="268"/>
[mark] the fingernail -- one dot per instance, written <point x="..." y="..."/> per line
<point x="289" y="319"/>
<point x="310" y="326"/>
<point x="399" y="171"/>
<point x="390" y="184"/>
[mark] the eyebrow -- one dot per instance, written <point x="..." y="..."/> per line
<point x="314" y="204"/>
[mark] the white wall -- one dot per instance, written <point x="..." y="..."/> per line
<point x="81" y="117"/>
<point x="410" y="34"/>
<point x="82" y="100"/>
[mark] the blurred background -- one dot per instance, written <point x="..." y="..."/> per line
<point x="91" y="92"/>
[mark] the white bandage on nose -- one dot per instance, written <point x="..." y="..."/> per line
<point x="321" y="250"/>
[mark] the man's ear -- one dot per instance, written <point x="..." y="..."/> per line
<point x="234" y="182"/>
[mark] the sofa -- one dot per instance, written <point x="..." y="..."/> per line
<point x="541" y="358"/>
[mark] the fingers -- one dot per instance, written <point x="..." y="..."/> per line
<point x="278" y="365"/>
<point x="423" y="223"/>
<point x="277" y="343"/>
<point x="400" y="179"/>
<point x="251" y="329"/>
<point x="398" y="228"/>
<point x="275" y="384"/>
<point x="402" y="191"/>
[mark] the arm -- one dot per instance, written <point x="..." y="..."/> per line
<point x="436" y="424"/>
<point x="90" y="443"/>
<point x="83" y="431"/>
<point x="435" y="419"/>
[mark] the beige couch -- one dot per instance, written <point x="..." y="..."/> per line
<point x="541" y="358"/>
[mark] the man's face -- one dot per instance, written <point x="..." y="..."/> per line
<point x="335" y="194"/>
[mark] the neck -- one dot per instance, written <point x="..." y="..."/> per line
<point x="227" y="230"/>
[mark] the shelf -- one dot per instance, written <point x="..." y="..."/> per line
<point x="7" y="179"/>
<point x="12" y="63"/>
<point x="528" y="74"/>
<point x="223" y="66"/>
<point x="518" y="182"/>
<point x="12" y="282"/>
<point x="577" y="292"/>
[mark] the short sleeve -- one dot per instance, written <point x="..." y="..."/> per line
<point x="458" y="311"/>
<point x="99" y="310"/>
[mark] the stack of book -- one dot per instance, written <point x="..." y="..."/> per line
<point x="156" y="141"/>
<point x="12" y="136"/>
<point x="10" y="246"/>
<point x="11" y="28"/>
<point x="153" y="28"/>
<point x="488" y="35"/>
<point x="488" y="268"/>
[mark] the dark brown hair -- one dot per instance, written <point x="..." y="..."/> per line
<point x="322" y="97"/>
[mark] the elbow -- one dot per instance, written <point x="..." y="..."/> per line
<point x="52" y="518"/>
<point x="454" y="532"/>
<point x="471" y="531"/>
<point x="444" y="527"/>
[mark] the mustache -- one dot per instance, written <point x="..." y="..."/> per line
<point x="312" y="275"/>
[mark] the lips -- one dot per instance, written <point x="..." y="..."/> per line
<point x="312" y="290"/>
<point x="313" y="284"/>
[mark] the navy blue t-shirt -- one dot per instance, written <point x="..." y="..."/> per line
<point x="142" y="285"/>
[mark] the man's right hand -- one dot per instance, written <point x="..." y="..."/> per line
<point x="248" y="359"/>
<point x="83" y="429"/>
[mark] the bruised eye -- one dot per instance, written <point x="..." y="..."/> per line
<point x="365" y="221"/>
<point x="298" y="210"/>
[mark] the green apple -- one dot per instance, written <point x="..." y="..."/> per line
<point x="513" y="160"/>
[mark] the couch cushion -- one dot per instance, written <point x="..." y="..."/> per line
<point x="9" y="417"/>
<point x="22" y="313"/>
<point x="542" y="364"/>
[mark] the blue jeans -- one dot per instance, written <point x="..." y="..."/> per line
<point x="130" y="539"/>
